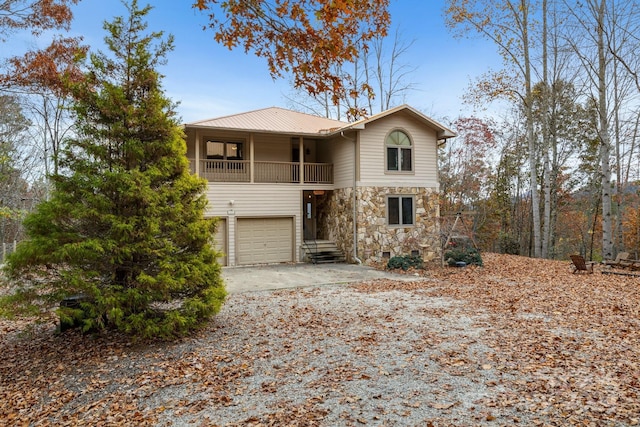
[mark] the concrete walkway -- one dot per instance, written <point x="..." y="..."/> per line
<point x="282" y="276"/>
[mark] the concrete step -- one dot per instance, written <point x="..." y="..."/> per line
<point x="322" y="251"/>
<point x="319" y="245"/>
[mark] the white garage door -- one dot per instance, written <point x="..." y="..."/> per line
<point x="221" y="240"/>
<point x="264" y="240"/>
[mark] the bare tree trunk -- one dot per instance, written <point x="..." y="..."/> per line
<point x="619" y="237"/>
<point x="546" y="233"/>
<point x="554" y="214"/>
<point x="528" y="104"/>
<point x="546" y="185"/>
<point x="605" y="144"/>
<point x="593" y="229"/>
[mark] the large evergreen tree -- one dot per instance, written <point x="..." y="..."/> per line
<point x="124" y="227"/>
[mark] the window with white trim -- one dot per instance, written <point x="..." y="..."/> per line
<point x="400" y="210"/>
<point x="399" y="152"/>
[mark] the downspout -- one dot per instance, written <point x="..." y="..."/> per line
<point x="355" y="198"/>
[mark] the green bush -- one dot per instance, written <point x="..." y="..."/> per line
<point x="405" y="262"/>
<point x="124" y="225"/>
<point x="466" y="255"/>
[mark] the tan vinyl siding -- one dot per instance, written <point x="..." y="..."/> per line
<point x="372" y="153"/>
<point x="255" y="201"/>
<point x="272" y="148"/>
<point x="221" y="240"/>
<point x="342" y="156"/>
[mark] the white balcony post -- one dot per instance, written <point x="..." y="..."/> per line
<point x="251" y="159"/>
<point x="301" y="149"/>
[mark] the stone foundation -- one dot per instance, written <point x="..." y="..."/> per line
<point x="377" y="240"/>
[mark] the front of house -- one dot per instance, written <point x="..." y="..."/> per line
<point x="283" y="183"/>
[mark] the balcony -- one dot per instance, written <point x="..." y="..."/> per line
<point x="264" y="172"/>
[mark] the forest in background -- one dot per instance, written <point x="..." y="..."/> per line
<point x="558" y="173"/>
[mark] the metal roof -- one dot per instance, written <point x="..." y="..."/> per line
<point x="272" y="120"/>
<point x="283" y="121"/>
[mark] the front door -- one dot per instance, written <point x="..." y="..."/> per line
<point x="309" y="215"/>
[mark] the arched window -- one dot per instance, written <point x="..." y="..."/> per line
<point x="399" y="152"/>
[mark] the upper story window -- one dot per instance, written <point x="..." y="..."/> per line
<point x="225" y="150"/>
<point x="399" y="152"/>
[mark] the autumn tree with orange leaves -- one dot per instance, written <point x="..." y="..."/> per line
<point x="45" y="75"/>
<point x="308" y="38"/>
<point x="36" y="16"/>
<point x="42" y="75"/>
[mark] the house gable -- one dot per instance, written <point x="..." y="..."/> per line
<point x="373" y="151"/>
<point x="442" y="132"/>
<point x="281" y="172"/>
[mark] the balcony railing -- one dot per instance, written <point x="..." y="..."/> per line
<point x="277" y="172"/>
<point x="264" y="172"/>
<point x="318" y="173"/>
<point x="225" y="170"/>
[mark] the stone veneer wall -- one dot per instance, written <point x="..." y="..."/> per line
<point x="336" y="220"/>
<point x="375" y="237"/>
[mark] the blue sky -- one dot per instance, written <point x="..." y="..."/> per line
<point x="210" y="81"/>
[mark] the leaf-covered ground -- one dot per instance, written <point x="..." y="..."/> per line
<point x="516" y="342"/>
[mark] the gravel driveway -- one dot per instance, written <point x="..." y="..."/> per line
<point x="502" y="345"/>
<point x="336" y="356"/>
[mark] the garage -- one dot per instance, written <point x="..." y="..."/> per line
<point x="264" y="240"/>
<point x="221" y="240"/>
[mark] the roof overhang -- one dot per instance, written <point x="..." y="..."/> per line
<point x="272" y="120"/>
<point x="278" y="121"/>
<point x="442" y="132"/>
<point x="254" y="131"/>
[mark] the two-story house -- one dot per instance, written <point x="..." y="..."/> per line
<point x="283" y="182"/>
